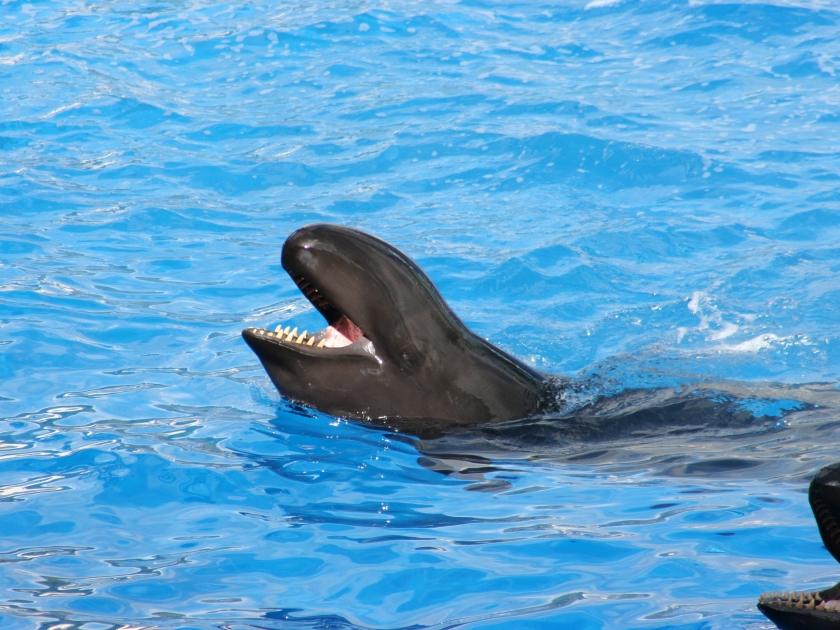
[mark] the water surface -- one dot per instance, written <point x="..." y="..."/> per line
<point x="623" y="192"/>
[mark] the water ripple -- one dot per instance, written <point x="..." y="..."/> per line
<point x="635" y="194"/>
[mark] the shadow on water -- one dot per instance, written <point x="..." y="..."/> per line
<point x="714" y="430"/>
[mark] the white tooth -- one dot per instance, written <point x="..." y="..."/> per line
<point x="302" y="337"/>
<point x="321" y="343"/>
<point x="279" y="328"/>
<point x="289" y="337"/>
<point x="286" y="330"/>
<point x="311" y="341"/>
<point x="821" y="606"/>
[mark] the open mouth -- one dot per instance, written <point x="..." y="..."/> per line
<point x="339" y="333"/>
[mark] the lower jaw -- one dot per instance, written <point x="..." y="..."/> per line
<point x="800" y="618"/>
<point x="825" y="601"/>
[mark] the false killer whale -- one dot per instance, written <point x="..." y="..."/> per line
<point x="393" y="351"/>
<point x="815" y="610"/>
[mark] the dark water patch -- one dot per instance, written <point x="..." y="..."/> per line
<point x="694" y="38"/>
<point x="707" y="86"/>
<point x="11" y="144"/>
<point x="807" y="225"/>
<point x="805" y="65"/>
<point x="34" y="205"/>
<point x="491" y="485"/>
<point x="15" y="248"/>
<point x="32" y="524"/>
<point x="714" y="468"/>
<point x="343" y="70"/>
<point x="297" y="618"/>
<point x="372" y="515"/>
<point x="591" y="455"/>
<point x="547" y="52"/>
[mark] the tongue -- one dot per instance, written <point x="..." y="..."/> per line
<point x="342" y="333"/>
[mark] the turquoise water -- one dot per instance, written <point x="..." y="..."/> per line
<point x="617" y="191"/>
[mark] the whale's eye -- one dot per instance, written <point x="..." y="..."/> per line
<point x="406" y="359"/>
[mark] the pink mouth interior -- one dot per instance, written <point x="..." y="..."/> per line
<point x="342" y="333"/>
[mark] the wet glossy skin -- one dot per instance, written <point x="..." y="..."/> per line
<point x="417" y="366"/>
<point x="814" y="611"/>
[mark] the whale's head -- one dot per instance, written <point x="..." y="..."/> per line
<point x="392" y="351"/>
<point x="816" y="610"/>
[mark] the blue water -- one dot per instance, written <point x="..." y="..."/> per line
<point x="618" y="191"/>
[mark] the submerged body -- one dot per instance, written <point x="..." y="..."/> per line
<point x="393" y="351"/>
<point x="816" y="610"/>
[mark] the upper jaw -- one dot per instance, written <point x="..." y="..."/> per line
<point x="341" y="335"/>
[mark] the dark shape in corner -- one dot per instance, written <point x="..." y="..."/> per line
<point x="815" y="610"/>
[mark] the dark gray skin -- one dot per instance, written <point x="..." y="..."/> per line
<point x="417" y="367"/>
<point x="820" y="610"/>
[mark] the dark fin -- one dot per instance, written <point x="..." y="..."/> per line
<point x="800" y="618"/>
<point x="824" y="496"/>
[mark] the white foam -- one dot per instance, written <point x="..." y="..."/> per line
<point x="597" y="4"/>
<point x="728" y="329"/>
<point x="762" y="342"/>
<point x="711" y="319"/>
